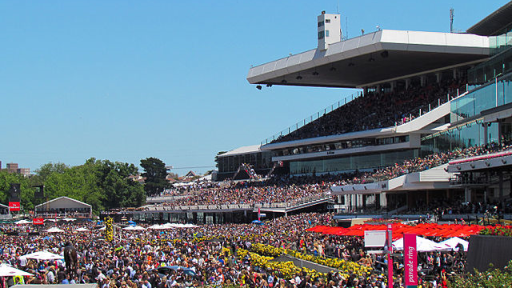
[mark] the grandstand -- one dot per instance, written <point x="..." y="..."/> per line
<point x="423" y="93"/>
<point x="429" y="133"/>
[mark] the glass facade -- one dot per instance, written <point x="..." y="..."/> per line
<point x="468" y="135"/>
<point x="486" y="97"/>
<point x="353" y="162"/>
<point x="260" y="161"/>
<point x="347" y="144"/>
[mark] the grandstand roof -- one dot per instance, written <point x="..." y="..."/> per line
<point x="242" y="150"/>
<point x="373" y="58"/>
<point x="494" y="23"/>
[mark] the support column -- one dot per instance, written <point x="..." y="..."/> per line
<point x="407" y="83"/>
<point x="467" y="194"/>
<point x="383" y="200"/>
<point x="501" y="189"/>
<point x="438" y="77"/>
<point x="455" y="73"/>
<point x="423" y="80"/>
<point x="485" y="133"/>
<point x="392" y="84"/>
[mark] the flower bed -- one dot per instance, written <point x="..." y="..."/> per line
<point x="497" y="230"/>
<point x="340" y="264"/>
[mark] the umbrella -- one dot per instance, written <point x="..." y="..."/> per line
<point x="6" y="271"/>
<point x="452" y="243"/>
<point x="257" y="222"/>
<point x="156" y="227"/>
<point x="69" y="219"/>
<point x="134" y="228"/>
<point x="422" y="245"/>
<point x="82" y="229"/>
<point x="54" y="230"/>
<point x="43" y="255"/>
<point x="131" y="222"/>
<point x="22" y="222"/>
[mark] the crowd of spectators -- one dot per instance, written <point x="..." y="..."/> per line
<point x="131" y="260"/>
<point x="288" y="189"/>
<point x="377" y="110"/>
<point x="423" y="163"/>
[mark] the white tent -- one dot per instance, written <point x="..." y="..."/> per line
<point x="422" y="245"/>
<point x="6" y="271"/>
<point x="178" y="225"/>
<point x="155" y="227"/>
<point x="43" y="255"/>
<point x="81" y="229"/>
<point x="453" y="242"/>
<point x="69" y="219"/>
<point x="22" y="222"/>
<point x="134" y="228"/>
<point x="54" y="230"/>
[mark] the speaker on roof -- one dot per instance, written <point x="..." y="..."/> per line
<point x="15" y="192"/>
<point x="39" y="192"/>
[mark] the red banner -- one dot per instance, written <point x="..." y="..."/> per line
<point x="38" y="221"/>
<point x="14" y="206"/>
<point x="410" y="260"/>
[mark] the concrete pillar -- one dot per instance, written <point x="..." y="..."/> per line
<point x="392" y="84"/>
<point x="485" y="133"/>
<point x="467" y="194"/>
<point x="423" y="80"/>
<point x="455" y="73"/>
<point x="407" y="83"/>
<point x="439" y="77"/>
<point x="502" y="202"/>
<point x="383" y="200"/>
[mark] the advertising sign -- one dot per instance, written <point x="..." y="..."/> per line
<point x="14" y="206"/>
<point x="410" y="260"/>
<point x="375" y="238"/>
<point x="38" y="221"/>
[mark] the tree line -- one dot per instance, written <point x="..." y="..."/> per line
<point x="103" y="184"/>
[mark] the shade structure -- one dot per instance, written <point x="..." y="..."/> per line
<point x="452" y="243"/>
<point x="155" y="227"/>
<point x="422" y="245"/>
<point x="6" y="271"/>
<point x="54" y="230"/>
<point x="424" y="229"/>
<point x="20" y="222"/>
<point x="82" y="229"/>
<point x="69" y="219"/>
<point x="134" y="228"/>
<point x="43" y="255"/>
<point x="177" y="225"/>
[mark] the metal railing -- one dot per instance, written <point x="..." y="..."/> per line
<point x="295" y="203"/>
<point x="311" y="118"/>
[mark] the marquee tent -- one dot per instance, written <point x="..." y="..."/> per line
<point x="452" y="243"/>
<point x="422" y="245"/>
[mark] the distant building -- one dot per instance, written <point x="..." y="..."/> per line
<point x="13" y="168"/>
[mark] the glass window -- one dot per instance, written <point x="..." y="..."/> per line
<point x="321" y="34"/>
<point x="327" y="20"/>
<point x="321" y="23"/>
<point x="326" y="33"/>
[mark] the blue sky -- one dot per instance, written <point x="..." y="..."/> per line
<point x="127" y="80"/>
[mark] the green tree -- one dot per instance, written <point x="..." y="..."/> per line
<point x="26" y="193"/>
<point x="491" y="278"/>
<point x="155" y="174"/>
<point x="102" y="184"/>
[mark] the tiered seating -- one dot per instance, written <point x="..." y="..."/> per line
<point x="375" y="110"/>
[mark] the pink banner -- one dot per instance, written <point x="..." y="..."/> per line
<point x="410" y="260"/>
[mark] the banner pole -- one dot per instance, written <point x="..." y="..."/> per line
<point x="390" y="259"/>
